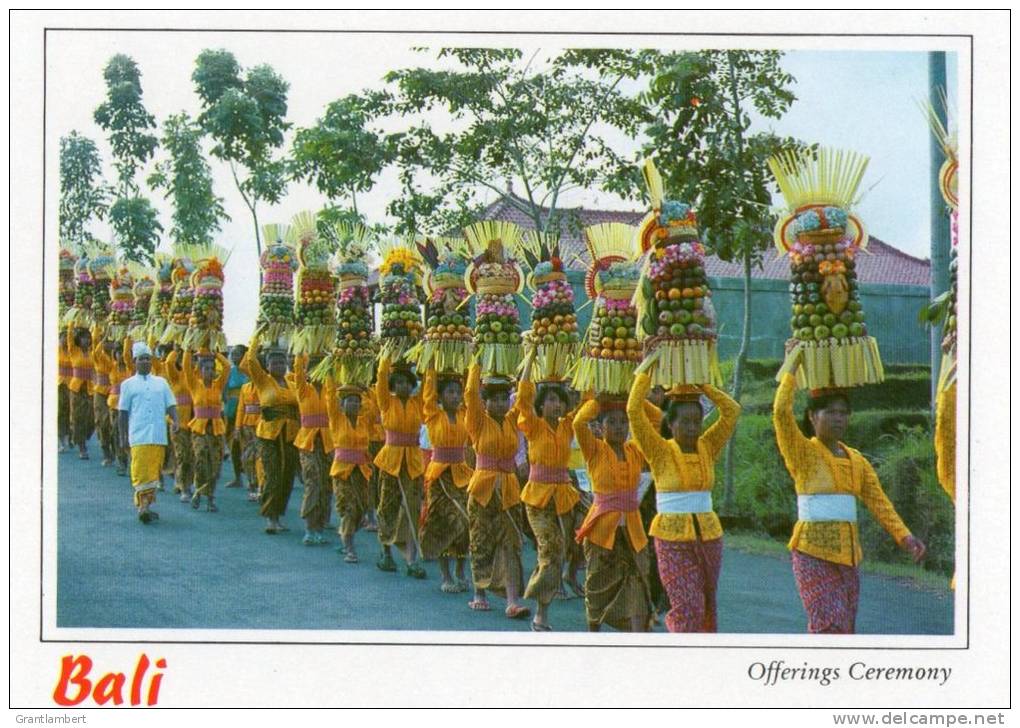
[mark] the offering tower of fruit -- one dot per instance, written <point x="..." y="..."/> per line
<point x="101" y="264"/>
<point x="80" y="314"/>
<point x="399" y="279"/>
<point x="494" y="278"/>
<point x="823" y="238"/>
<point x="162" y="299"/>
<point x="122" y="304"/>
<point x="142" y="294"/>
<point x="315" y="323"/>
<point x="448" y="341"/>
<point x="673" y="299"/>
<point x="275" y="324"/>
<point x="205" y="324"/>
<point x="180" y="307"/>
<point x="612" y="350"/>
<point x="65" y="285"/>
<point x="553" y="317"/>
<point x="352" y="361"/>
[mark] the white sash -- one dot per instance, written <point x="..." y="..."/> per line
<point x="827" y="507"/>
<point x="695" y="501"/>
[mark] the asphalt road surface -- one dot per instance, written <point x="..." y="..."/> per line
<point x="196" y="570"/>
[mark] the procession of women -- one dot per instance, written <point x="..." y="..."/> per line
<point x="414" y="404"/>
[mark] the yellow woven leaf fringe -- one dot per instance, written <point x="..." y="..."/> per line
<point x="686" y="361"/>
<point x="501" y="360"/>
<point x="553" y="361"/>
<point x="604" y="376"/>
<point x="835" y="363"/>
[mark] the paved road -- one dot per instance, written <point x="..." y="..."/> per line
<point x="196" y="570"/>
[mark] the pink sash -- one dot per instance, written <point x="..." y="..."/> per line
<point x="548" y="474"/>
<point x="314" y="420"/>
<point x="207" y="413"/>
<point x="401" y="439"/>
<point x="499" y="465"/>
<point x="448" y="455"/>
<point x="350" y="456"/>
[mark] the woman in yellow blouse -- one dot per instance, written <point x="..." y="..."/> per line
<point x="121" y="367"/>
<point x="494" y="494"/>
<point x="687" y="532"/>
<point x="444" y="527"/>
<point x="102" y="363"/>
<point x="79" y="349"/>
<point x="184" y="461"/>
<point x="246" y="419"/>
<point x="276" y="429"/>
<point x="616" y="576"/>
<point x="400" y="467"/>
<point x="549" y="493"/>
<point x="313" y="442"/>
<point x="64" y="373"/>
<point x="829" y="478"/>
<point x="207" y="427"/>
<point x="350" y="425"/>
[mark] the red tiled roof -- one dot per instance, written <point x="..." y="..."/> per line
<point x="880" y="263"/>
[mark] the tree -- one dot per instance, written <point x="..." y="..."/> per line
<point x="341" y="154"/>
<point x="187" y="179"/>
<point x="136" y="225"/>
<point x="83" y="194"/>
<point x="541" y="129"/>
<point x="124" y="117"/>
<point x="244" y="113"/>
<point x="706" y="154"/>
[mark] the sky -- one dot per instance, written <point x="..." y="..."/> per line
<point x="863" y="100"/>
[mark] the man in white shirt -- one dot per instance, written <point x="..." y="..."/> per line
<point x="145" y="402"/>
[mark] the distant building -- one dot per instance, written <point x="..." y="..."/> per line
<point x="894" y="287"/>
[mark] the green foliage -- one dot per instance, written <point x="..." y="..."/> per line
<point x="341" y="154"/>
<point x="187" y="179"/>
<point x="540" y="124"/>
<point x="244" y="112"/>
<point x="83" y="194"/>
<point x="137" y="227"/>
<point x="124" y="116"/>
<point x="905" y="464"/>
<point x="700" y="103"/>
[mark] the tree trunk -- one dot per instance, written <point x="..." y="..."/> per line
<point x="738" y="381"/>
<point x="745" y="336"/>
<point x="258" y="239"/>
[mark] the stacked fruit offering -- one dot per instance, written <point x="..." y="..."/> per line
<point x="142" y="293"/>
<point x="80" y="313"/>
<point x="831" y="342"/>
<point x="205" y="323"/>
<point x="66" y="282"/>
<point x="448" y="341"/>
<point x="681" y="307"/>
<point x="101" y="265"/>
<point x="162" y="300"/>
<point x="612" y="350"/>
<point x="180" y="306"/>
<point x="275" y="323"/>
<point x="823" y="291"/>
<point x="353" y="359"/>
<point x="122" y="305"/>
<point x="673" y="299"/>
<point x="553" y="318"/>
<point x="313" y="315"/>
<point x="495" y="278"/>
<point x="399" y="277"/>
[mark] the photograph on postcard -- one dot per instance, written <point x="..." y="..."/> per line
<point x="405" y="337"/>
